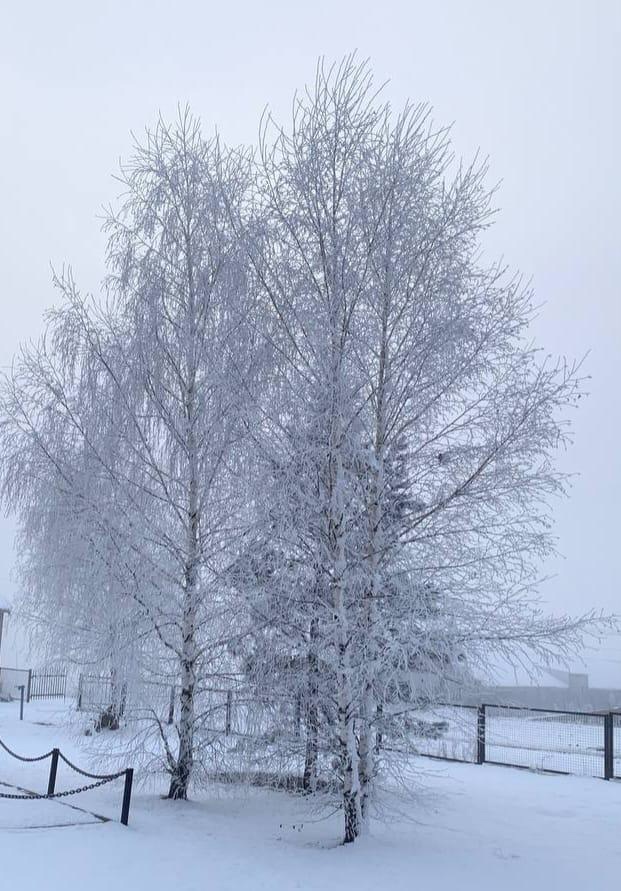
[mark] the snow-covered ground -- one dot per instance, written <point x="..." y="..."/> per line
<point x="470" y="828"/>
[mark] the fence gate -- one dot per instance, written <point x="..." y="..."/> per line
<point x="47" y="686"/>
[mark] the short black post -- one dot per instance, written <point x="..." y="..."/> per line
<point x="609" y="755"/>
<point x="29" y="685"/>
<point x="481" y="734"/>
<point x="298" y="716"/>
<point x="51" y="784"/>
<point x="378" y="737"/>
<point x="171" y="705"/>
<point x="127" y="795"/>
<point x="80" y="692"/>
<point x="21" y="702"/>
<point x="229" y="708"/>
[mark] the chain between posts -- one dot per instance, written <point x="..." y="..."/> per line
<point x="92" y="776"/>
<point x="41" y="796"/>
<point x="100" y="780"/>
<point x="22" y="757"/>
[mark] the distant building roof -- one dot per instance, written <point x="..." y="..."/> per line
<point x="570" y="679"/>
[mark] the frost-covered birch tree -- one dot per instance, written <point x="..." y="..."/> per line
<point x="143" y="388"/>
<point x="461" y="413"/>
<point x="415" y="422"/>
<point x="304" y="441"/>
<point x="312" y="271"/>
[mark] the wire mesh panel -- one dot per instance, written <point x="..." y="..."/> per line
<point x="214" y="707"/>
<point x="447" y="731"/>
<point x="262" y="718"/>
<point x="616" y="737"/>
<point x="94" y="693"/>
<point x="152" y="698"/>
<point x="540" y="739"/>
<point x="10" y="681"/>
<point x="129" y="698"/>
<point x="566" y="742"/>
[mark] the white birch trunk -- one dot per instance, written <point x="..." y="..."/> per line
<point x="368" y="743"/>
<point x="348" y="748"/>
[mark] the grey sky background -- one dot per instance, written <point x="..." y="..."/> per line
<point x="534" y="85"/>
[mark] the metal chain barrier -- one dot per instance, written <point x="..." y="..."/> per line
<point x="100" y="780"/>
<point x="92" y="776"/>
<point x="22" y="757"/>
<point x="60" y="794"/>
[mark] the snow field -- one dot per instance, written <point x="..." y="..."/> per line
<point x="485" y="828"/>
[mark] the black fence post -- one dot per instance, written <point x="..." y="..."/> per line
<point x="609" y="763"/>
<point x="481" y="734"/>
<point x="379" y="714"/>
<point x="127" y="796"/>
<point x="298" y="715"/>
<point x="29" y="685"/>
<point x="21" y="702"/>
<point x="80" y="692"/>
<point x="171" y="705"/>
<point x="229" y="708"/>
<point x="51" y="784"/>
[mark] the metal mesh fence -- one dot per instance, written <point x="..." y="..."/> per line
<point x="94" y="693"/>
<point x="539" y="739"/>
<point x="448" y="732"/>
<point x="240" y="713"/>
<point x="98" y="693"/>
<point x="212" y="706"/>
<point x="566" y="742"/>
<point x="219" y="710"/>
<point x="616" y="736"/>
<point x="48" y="685"/>
<point x="263" y="718"/>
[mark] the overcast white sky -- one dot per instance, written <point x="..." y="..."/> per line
<point x="534" y="85"/>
